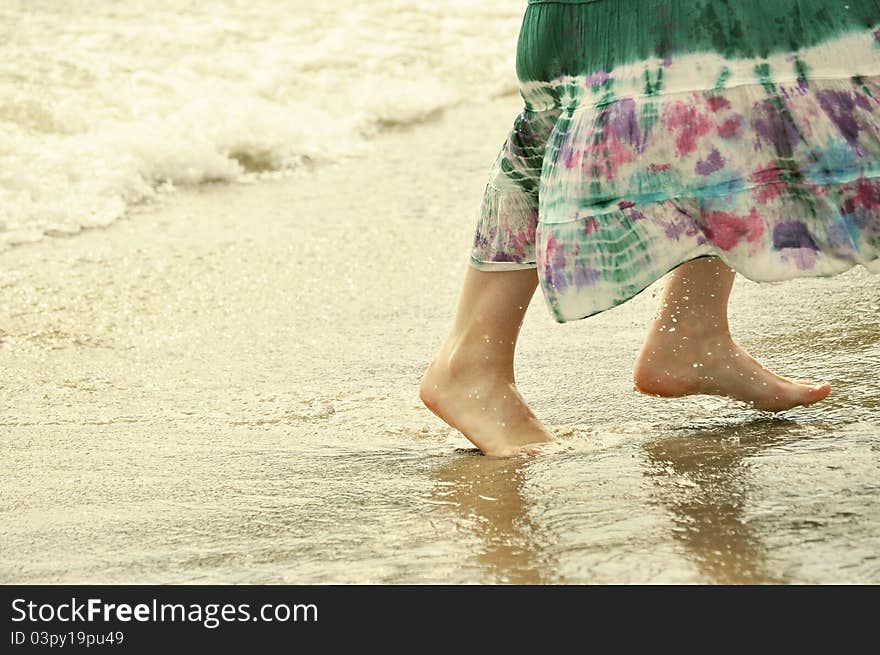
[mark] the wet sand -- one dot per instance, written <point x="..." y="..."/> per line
<point x="224" y="388"/>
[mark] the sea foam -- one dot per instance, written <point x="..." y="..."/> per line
<point x="104" y="105"/>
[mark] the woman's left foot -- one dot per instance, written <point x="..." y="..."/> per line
<point x="671" y="366"/>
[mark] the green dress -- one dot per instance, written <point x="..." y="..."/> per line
<point x="658" y="131"/>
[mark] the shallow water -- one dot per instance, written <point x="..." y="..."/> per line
<point x="225" y="390"/>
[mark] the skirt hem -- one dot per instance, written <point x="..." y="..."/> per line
<point x="555" y="301"/>
<point x="482" y="265"/>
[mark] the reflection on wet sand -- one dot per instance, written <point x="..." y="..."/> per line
<point x="487" y="494"/>
<point x="702" y="478"/>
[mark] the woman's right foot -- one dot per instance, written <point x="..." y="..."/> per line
<point x="671" y="366"/>
<point x="484" y="406"/>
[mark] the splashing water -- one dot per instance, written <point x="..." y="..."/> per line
<point x="105" y="105"/>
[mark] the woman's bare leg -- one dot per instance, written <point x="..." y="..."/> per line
<point x="470" y="383"/>
<point x="689" y="349"/>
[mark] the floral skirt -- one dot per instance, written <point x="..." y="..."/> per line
<point x="659" y="131"/>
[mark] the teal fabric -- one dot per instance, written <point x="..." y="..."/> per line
<point x="578" y="37"/>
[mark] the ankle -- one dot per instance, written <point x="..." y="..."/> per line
<point x="691" y="330"/>
<point x="454" y="369"/>
<point x="464" y="363"/>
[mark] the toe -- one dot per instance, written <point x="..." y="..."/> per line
<point x="820" y="392"/>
